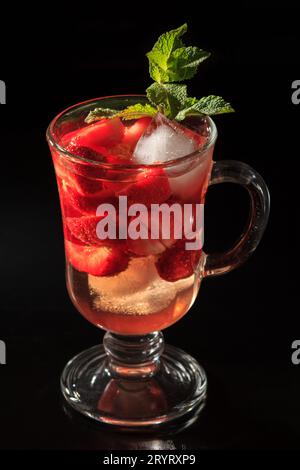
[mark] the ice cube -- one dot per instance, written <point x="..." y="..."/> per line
<point x="137" y="291"/>
<point x="192" y="184"/>
<point x="163" y="140"/>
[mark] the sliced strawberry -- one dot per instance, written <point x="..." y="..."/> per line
<point x="118" y="154"/>
<point x="117" y="180"/>
<point x="134" y="132"/>
<point x="78" y="150"/>
<point x="87" y="204"/>
<point x="122" y="151"/>
<point x="151" y="187"/>
<point x="87" y="178"/>
<point x="69" y="236"/>
<point x="177" y="262"/>
<point x="85" y="229"/>
<point x="117" y="187"/>
<point x="87" y="186"/>
<point x="96" y="136"/>
<point x="84" y="177"/>
<point x="68" y="209"/>
<point x="97" y="261"/>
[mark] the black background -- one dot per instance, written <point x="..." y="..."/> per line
<point x="242" y="324"/>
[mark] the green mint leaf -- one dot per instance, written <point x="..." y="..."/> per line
<point x="137" y="111"/>
<point x="208" y="105"/>
<point x="213" y="105"/>
<point x="100" y="113"/>
<point x="171" y="61"/>
<point x="131" y="112"/>
<point x="161" y="53"/>
<point x="169" y="98"/>
<point x="185" y="63"/>
<point x="190" y="102"/>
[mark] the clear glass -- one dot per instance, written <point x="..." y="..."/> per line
<point x="127" y="287"/>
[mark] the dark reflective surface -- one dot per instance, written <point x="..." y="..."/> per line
<point x="251" y="403"/>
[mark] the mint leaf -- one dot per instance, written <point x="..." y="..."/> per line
<point x="170" y="41"/>
<point x="131" y="112"/>
<point x="208" y="105"/>
<point x="171" y="61"/>
<point x="172" y="100"/>
<point x="136" y="111"/>
<point x="161" y="52"/>
<point x="190" y="102"/>
<point x="169" y="98"/>
<point x="185" y="62"/>
<point x="100" y="113"/>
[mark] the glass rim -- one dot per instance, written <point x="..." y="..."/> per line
<point x="126" y="166"/>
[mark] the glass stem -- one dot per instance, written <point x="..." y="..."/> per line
<point x="133" y="356"/>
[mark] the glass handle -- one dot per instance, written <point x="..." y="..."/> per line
<point x="231" y="171"/>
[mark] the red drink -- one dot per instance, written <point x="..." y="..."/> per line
<point x="123" y="285"/>
<point x="132" y="174"/>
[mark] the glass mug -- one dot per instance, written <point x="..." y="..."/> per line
<point x="134" y="288"/>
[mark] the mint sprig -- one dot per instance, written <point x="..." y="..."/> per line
<point x="169" y="98"/>
<point x="208" y="105"/>
<point x="100" y="113"/>
<point x="170" y="62"/>
<point x="134" y="111"/>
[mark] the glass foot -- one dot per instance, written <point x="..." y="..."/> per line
<point x="166" y="392"/>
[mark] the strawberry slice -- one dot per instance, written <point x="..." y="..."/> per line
<point x="84" y="177"/>
<point x="177" y="262"/>
<point x="86" y="204"/>
<point x="134" y="132"/>
<point x="97" y="261"/>
<point x="68" y="209"/>
<point x="121" y="152"/>
<point x="69" y="236"/>
<point x="87" y="186"/>
<point x="118" y="154"/>
<point x="101" y="134"/>
<point x="78" y="150"/>
<point x="151" y="187"/>
<point x="85" y="229"/>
